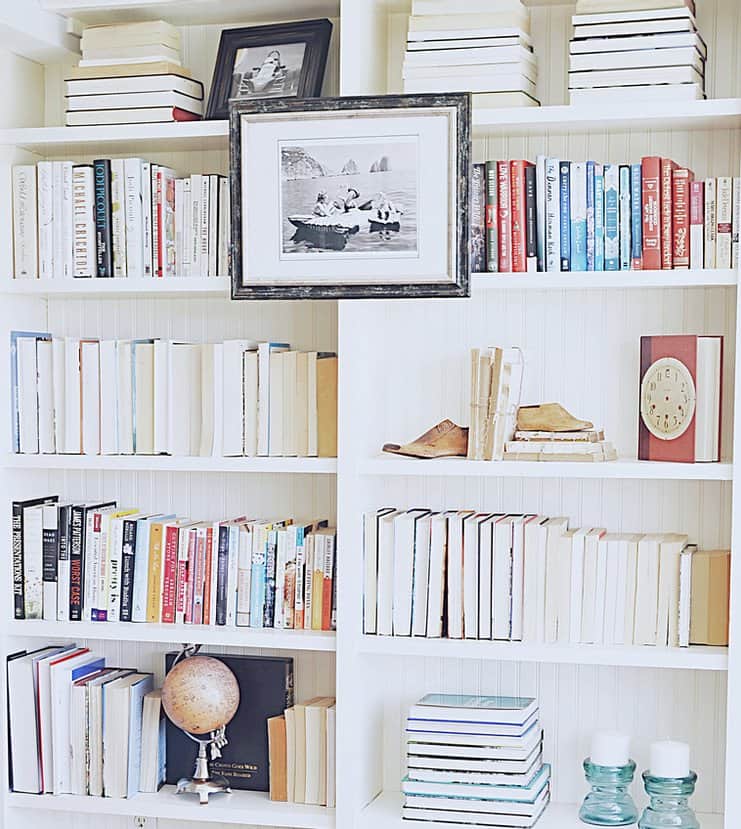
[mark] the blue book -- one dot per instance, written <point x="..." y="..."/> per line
<point x="599" y="218"/>
<point x="579" y="216"/>
<point x="474" y="709"/>
<point x="15" y="336"/>
<point x="137" y="692"/>
<point x="564" y="189"/>
<point x="590" y="215"/>
<point x="612" y="242"/>
<point x="257" y="576"/>
<point x="636" y="228"/>
<point x="625" y="218"/>
<point x="523" y="793"/>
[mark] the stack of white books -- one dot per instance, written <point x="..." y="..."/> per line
<point x="630" y="50"/>
<point x="131" y="73"/>
<point x="472" y="48"/>
<point x="476" y="761"/>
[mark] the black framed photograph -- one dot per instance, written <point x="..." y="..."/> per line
<point x="285" y="60"/>
<point x="350" y="197"/>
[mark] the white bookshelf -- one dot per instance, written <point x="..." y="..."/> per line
<point x="403" y="367"/>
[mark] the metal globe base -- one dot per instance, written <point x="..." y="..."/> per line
<point x="202" y="783"/>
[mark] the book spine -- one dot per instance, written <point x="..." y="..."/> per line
<point x="724" y="240"/>
<point x="552" y="216"/>
<point x="168" y="206"/>
<point x="158" y="245"/>
<point x="257" y="587"/>
<point x="518" y="218"/>
<point x="181" y="576"/>
<point x="147" y="217"/>
<point x="298" y="616"/>
<point x="118" y="217"/>
<point x="590" y="216"/>
<point x="681" y="218"/>
<point x="169" y="575"/>
<point x="270" y="562"/>
<point x="244" y="577"/>
<point x="579" y="216"/>
<point x="17" y="548"/>
<point x="667" y="175"/>
<point x="83" y="197"/>
<point x="636" y="225"/>
<point x="328" y="580"/>
<point x="76" y="552"/>
<point x="222" y="575"/>
<point x="154" y="193"/>
<point x="625" y="218"/>
<point x="199" y="576"/>
<point x="134" y="218"/>
<point x="114" y="556"/>
<point x="195" y="224"/>
<point x="128" y="559"/>
<point x="191" y="577"/>
<point x="697" y="225"/>
<point x="711" y="222"/>
<point x="103" y="230"/>
<point x="599" y="217"/>
<point x="45" y="208"/>
<point x="67" y="236"/>
<point x="58" y="219"/>
<point x="504" y="217"/>
<point x="187" y="229"/>
<point x="179" y="226"/>
<point x="203" y="229"/>
<point x="213" y="225"/>
<point x="63" y="565"/>
<point x="531" y="219"/>
<point x="25" y="249"/>
<point x="225" y="229"/>
<point x="208" y="576"/>
<point x="650" y="186"/>
<point x="309" y="581"/>
<point x="612" y="236"/>
<point x="564" y="189"/>
<point x="540" y="211"/>
<point x="492" y="245"/>
<point x="50" y="564"/>
<point x="736" y="224"/>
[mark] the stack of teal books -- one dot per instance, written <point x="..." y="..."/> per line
<point x="476" y="761"/>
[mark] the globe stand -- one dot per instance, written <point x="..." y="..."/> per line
<point x="202" y="783"/>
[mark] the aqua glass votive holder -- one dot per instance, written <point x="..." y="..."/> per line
<point x="609" y="804"/>
<point x="669" y="807"/>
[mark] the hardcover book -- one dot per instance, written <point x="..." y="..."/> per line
<point x="492" y="244"/>
<point x="478" y="218"/>
<point x="564" y="181"/>
<point x="650" y="181"/>
<point x="612" y="242"/>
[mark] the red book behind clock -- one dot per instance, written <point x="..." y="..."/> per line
<point x="702" y="357"/>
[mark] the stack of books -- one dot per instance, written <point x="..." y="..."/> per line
<point x="472" y="48"/>
<point x="558" y="215"/>
<point x="496" y="383"/>
<point x="464" y="574"/>
<point x="68" y="711"/>
<point x="76" y="561"/>
<point x="639" y="50"/>
<point x="120" y="217"/>
<point x="131" y="73"/>
<point x="302" y="753"/>
<point x="234" y="398"/>
<point x="476" y="761"/>
<point x="588" y="446"/>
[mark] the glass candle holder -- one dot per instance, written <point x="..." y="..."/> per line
<point x="669" y="807"/>
<point x="609" y="804"/>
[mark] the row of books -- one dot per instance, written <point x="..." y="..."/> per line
<point x="470" y="48"/>
<point x="476" y="761"/>
<point x="131" y="73"/>
<point x="80" y="727"/>
<point x="465" y="574"/>
<point x="153" y="396"/>
<point x="76" y="561"/>
<point x="120" y="217"/>
<point x="628" y="54"/>
<point x="302" y="753"/>
<point x="558" y="215"/>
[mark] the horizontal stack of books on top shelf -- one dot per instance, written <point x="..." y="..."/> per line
<point x="131" y="73"/>
<point x="476" y="761"/>
<point x="166" y="397"/>
<point x="587" y="445"/>
<point x="303" y="758"/>
<point x="92" y="562"/>
<point x="120" y="217"/>
<point x="473" y="47"/>
<point x="558" y="215"/>
<point x="636" y="50"/>
<point x="463" y="574"/>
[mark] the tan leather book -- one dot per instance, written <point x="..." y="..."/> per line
<point x="711" y="585"/>
<point x="278" y="758"/>
<point x="326" y="404"/>
<point x="124" y="70"/>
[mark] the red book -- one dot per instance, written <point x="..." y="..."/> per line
<point x="169" y="574"/>
<point x="682" y="179"/>
<point x="504" y="220"/>
<point x="650" y="178"/>
<point x="329" y="542"/>
<point x="667" y="213"/>
<point x="189" y="585"/>
<point x="519" y="215"/>
<point x="183" y="115"/>
<point x="208" y="575"/>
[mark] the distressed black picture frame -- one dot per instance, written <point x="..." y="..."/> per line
<point x="315" y="33"/>
<point x="460" y="102"/>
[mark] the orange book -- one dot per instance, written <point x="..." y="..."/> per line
<point x="326" y="404"/>
<point x="330" y="541"/>
<point x="154" y="576"/>
<point x="711" y="587"/>
<point x="278" y="758"/>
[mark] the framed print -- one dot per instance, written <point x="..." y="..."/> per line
<point x="350" y="197"/>
<point x="286" y="60"/>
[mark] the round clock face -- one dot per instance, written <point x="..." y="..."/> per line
<point x="667" y="398"/>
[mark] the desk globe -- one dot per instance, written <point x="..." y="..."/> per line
<point x="200" y="696"/>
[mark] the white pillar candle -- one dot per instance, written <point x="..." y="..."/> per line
<point x="670" y="759"/>
<point x="610" y="749"/>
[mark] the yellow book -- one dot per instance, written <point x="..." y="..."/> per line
<point x="711" y="584"/>
<point x="326" y="397"/>
<point x="317" y="582"/>
<point x="154" y="576"/>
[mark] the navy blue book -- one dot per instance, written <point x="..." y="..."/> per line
<point x="266" y="690"/>
<point x="565" y="206"/>
<point x="103" y="226"/>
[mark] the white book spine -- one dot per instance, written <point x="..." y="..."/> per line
<point x="179" y="226"/>
<point x="711" y="223"/>
<point x="725" y="222"/>
<point x="90" y="385"/>
<point x="384" y="598"/>
<point x="577" y="585"/>
<point x="552" y="216"/>
<point x="736" y="225"/>
<point x="685" y="596"/>
<point x="25" y="246"/>
<point x="72" y="410"/>
<point x="184" y="268"/>
<point x="108" y="397"/>
<point x="45" y="192"/>
<point x="155" y="199"/>
<point x="162" y="358"/>
<point x="114" y="553"/>
<point x="83" y="195"/>
<point x="133" y="202"/>
<point x="146" y="185"/>
<point x="213" y="225"/>
<point x="194" y="231"/>
<point x="600" y="592"/>
<point x="421" y="572"/>
<point x="224" y="226"/>
<point x="57" y="219"/>
<point x="58" y="361"/>
<point x="118" y="217"/>
<point x="205" y="213"/>
<point x="124" y="418"/>
<point x="233" y="575"/>
<point x="244" y="577"/>
<point x="68" y="221"/>
<point x="28" y="403"/>
<point x="45" y="391"/>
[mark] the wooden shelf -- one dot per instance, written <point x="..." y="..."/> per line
<point x="165" y="463"/>
<point x="591" y="280"/>
<point x="239" y="807"/>
<point x="693" y="659"/>
<point x="243" y="637"/>
<point x="218" y="286"/>
<point x="647" y="470"/>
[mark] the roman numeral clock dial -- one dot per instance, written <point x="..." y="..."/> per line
<point x="667" y="398"/>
